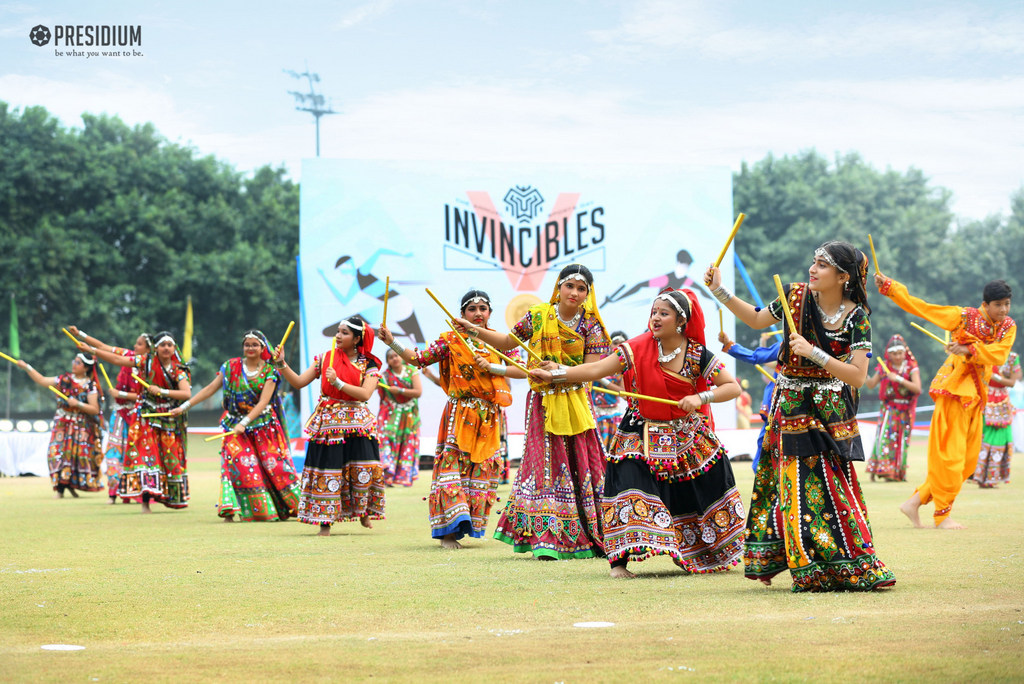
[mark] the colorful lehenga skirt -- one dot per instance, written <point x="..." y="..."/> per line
<point x="807" y="512"/>
<point x="113" y="457"/>
<point x="554" y="509"/>
<point x="889" y="456"/>
<point x="258" y="480"/>
<point x="996" y="445"/>
<point x="154" y="462"/>
<point x="461" y="492"/>
<point x="75" y="454"/>
<point x="398" y="427"/>
<point x="669" y="490"/>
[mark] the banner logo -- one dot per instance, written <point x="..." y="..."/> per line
<point x="477" y="237"/>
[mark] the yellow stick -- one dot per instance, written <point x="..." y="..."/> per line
<point x="291" y="324"/>
<point x="105" y="376"/>
<point x="140" y="380"/>
<point x="461" y="338"/>
<point x="721" y="322"/>
<point x="387" y="288"/>
<point x="785" y="303"/>
<point x="735" y="228"/>
<point x="946" y="336"/>
<point x="330" y="357"/>
<point x="58" y="393"/>
<point x="438" y="302"/>
<point x="156" y="415"/>
<point x="764" y="372"/>
<point x="873" y="256"/>
<point x="929" y="333"/>
<point x="514" y="363"/>
<point x="775" y="332"/>
<point x="73" y="338"/>
<point x="449" y="314"/>
<point x="220" y="436"/>
<point x="9" y="358"/>
<point x="884" y="367"/>
<point x="645" y="397"/>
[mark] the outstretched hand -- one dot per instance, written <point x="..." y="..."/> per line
<point x="540" y="375"/>
<point x="713" y="277"/>
<point x="384" y="335"/>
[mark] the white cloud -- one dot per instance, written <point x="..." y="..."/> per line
<point x="653" y="28"/>
<point x="370" y="10"/>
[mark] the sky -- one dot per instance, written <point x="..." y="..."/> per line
<point x="937" y="86"/>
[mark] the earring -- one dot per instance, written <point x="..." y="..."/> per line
<point x="679" y="328"/>
<point x="846" y="286"/>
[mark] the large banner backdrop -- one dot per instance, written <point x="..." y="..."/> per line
<point x="506" y="229"/>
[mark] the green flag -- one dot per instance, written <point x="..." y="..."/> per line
<point x="15" y="345"/>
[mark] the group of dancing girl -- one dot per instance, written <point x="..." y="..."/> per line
<point x="657" y="481"/>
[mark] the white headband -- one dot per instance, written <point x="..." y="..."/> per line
<point x="252" y="336"/>
<point x="352" y="326"/>
<point x="673" y="302"/>
<point x="85" y="359"/>
<point x="476" y="300"/>
<point x="895" y="347"/>
<point x="161" y="339"/>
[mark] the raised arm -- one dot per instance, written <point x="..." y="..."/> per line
<point x="89" y="340"/>
<point x="743" y="311"/>
<point x="108" y="356"/>
<point x="294" y="379"/>
<point x="585" y="372"/>
<point x="200" y="396"/>
<point x="500" y="341"/>
<point x="37" y="377"/>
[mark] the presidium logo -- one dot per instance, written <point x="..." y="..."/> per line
<point x="105" y="40"/>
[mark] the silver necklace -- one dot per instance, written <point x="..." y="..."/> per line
<point x="666" y="358"/>
<point x="830" y="320"/>
<point x="571" y="323"/>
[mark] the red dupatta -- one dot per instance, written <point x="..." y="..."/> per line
<point x="348" y="372"/>
<point x="650" y="378"/>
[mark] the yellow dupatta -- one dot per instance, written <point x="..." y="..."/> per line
<point x="566" y="407"/>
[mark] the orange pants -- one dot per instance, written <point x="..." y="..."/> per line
<point x="954" y="442"/>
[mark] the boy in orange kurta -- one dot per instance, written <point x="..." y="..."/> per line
<point x="979" y="339"/>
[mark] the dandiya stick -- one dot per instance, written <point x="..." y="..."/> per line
<point x="929" y="333"/>
<point x="449" y="314"/>
<point x="291" y="324"/>
<point x="58" y="393"/>
<point x="721" y="322"/>
<point x="775" y="332"/>
<point x="785" y="303"/>
<point x="884" y="367"/>
<point x="157" y="415"/>
<point x="330" y="357"/>
<point x="105" y="376"/>
<point x="873" y="255"/>
<point x="140" y="380"/>
<point x="9" y="358"/>
<point x="387" y="288"/>
<point x="73" y="338"/>
<point x="735" y="228"/>
<point x="514" y="363"/>
<point x="645" y="397"/>
<point x="220" y="436"/>
<point x="764" y="372"/>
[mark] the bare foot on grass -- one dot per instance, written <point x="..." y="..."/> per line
<point x="229" y="518"/>
<point x="365" y="522"/>
<point x="448" y="542"/>
<point x="910" y="508"/>
<point x="950" y="524"/>
<point x="620" y="571"/>
<point x="325" y="531"/>
<point x="145" y="506"/>
<point x="73" y="493"/>
<point x="766" y="581"/>
<point x="113" y="500"/>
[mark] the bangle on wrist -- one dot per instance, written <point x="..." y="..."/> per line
<point x="337" y="383"/>
<point x="397" y="348"/>
<point x="121" y="394"/>
<point x="164" y="391"/>
<point x="82" y="335"/>
<point x="187" y="405"/>
<point x="28" y="368"/>
<point x="819" y="356"/>
<point x="558" y="375"/>
<point x="605" y="382"/>
<point x="245" y="421"/>
<point x="496" y="368"/>
<point x="706" y="397"/>
<point x="721" y="294"/>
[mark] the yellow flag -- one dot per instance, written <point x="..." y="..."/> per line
<point x="186" y="344"/>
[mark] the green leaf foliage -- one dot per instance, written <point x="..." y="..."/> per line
<point x="111" y="228"/>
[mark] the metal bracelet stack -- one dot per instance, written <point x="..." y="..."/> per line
<point x="706" y="397"/>
<point x="721" y="294"/>
<point x="819" y="356"/>
<point x="558" y="375"/>
<point x="496" y="368"/>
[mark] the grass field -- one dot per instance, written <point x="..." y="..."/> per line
<point x="179" y="595"/>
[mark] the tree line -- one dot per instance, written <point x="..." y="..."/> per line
<point x="113" y="227"/>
